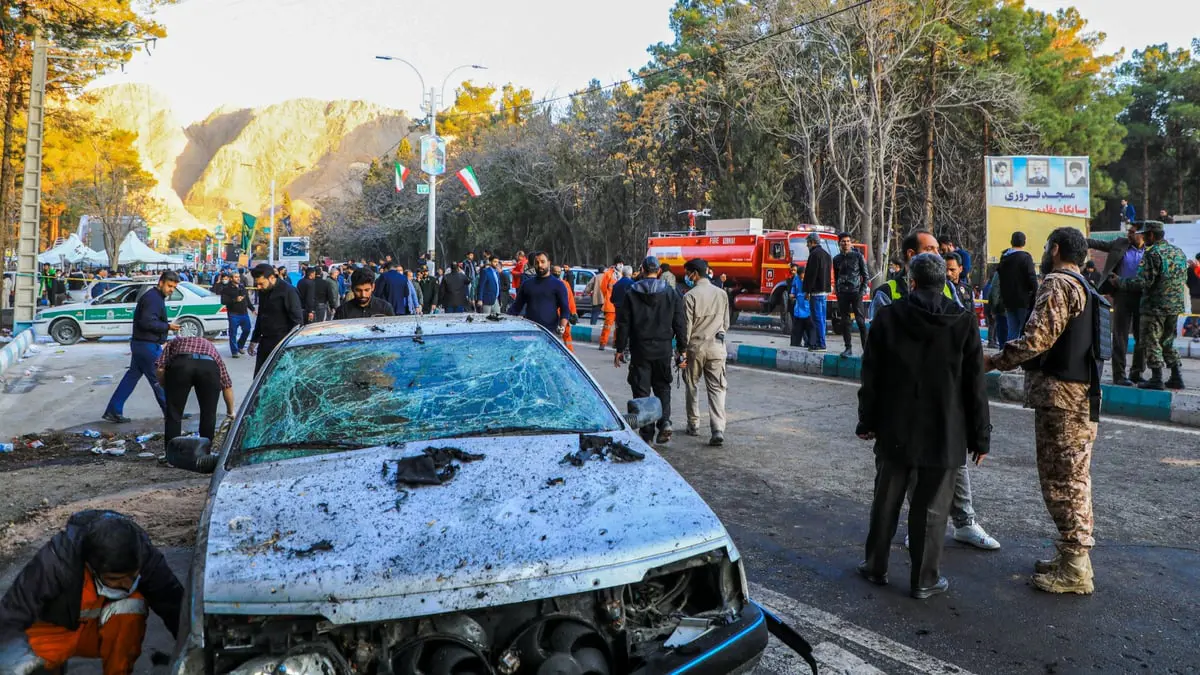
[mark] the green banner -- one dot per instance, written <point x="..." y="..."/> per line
<point x="248" y="223"/>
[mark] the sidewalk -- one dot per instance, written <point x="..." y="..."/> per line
<point x="761" y="337"/>
<point x="771" y="351"/>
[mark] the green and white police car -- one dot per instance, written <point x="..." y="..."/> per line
<point x="197" y="310"/>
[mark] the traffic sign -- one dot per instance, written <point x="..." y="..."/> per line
<point x="422" y="188"/>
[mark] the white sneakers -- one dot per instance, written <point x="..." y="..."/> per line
<point x="973" y="534"/>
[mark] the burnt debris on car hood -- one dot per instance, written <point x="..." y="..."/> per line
<point x="601" y="448"/>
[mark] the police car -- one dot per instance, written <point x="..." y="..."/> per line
<point x="197" y="310"/>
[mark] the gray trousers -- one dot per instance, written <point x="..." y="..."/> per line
<point x="962" y="511"/>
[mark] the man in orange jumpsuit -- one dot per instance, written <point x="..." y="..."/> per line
<point x="574" y="318"/>
<point x="607" y="281"/>
<point x="86" y="594"/>
<point x="518" y="270"/>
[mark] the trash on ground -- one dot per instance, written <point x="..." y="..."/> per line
<point x="600" y="448"/>
<point x="90" y="433"/>
<point x="35" y="445"/>
<point x="111" y="448"/>
<point x="148" y="437"/>
<point x="69" y="379"/>
<point x="7" y="447"/>
<point x="146" y="455"/>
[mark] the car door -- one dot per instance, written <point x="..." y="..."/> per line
<point x="112" y="312"/>
<point x="582" y="278"/>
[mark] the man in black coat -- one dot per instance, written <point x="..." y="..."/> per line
<point x="86" y="594"/>
<point x="279" y="311"/>
<point x="455" y="291"/>
<point x="924" y="402"/>
<point x="649" y="320"/>
<point x="818" y="277"/>
<point x="1124" y="256"/>
<point x="363" y="304"/>
<point x="1018" y="284"/>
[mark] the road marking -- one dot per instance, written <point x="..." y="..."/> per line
<point x="803" y="617"/>
<point x="998" y="404"/>
<point x="831" y="659"/>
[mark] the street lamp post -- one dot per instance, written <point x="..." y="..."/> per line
<point x="431" y="107"/>
<point x="271" y="229"/>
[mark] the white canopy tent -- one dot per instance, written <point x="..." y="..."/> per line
<point x="72" y="251"/>
<point x="134" y="252"/>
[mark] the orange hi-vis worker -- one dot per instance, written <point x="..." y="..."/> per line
<point x="607" y="281"/>
<point x="87" y="594"/>
<point x="574" y="313"/>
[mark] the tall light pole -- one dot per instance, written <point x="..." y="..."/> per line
<point x="271" y="229"/>
<point x="431" y="107"/>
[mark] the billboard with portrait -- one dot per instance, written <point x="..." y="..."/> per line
<point x="1034" y="195"/>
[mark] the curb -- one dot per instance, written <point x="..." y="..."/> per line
<point x="13" y="351"/>
<point x="1158" y="406"/>
<point x="1187" y="348"/>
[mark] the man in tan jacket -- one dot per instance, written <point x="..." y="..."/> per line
<point x="706" y="308"/>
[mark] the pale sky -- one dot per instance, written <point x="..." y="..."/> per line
<point x="257" y="52"/>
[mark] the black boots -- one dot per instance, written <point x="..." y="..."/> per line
<point x="1155" y="382"/>
<point x="1176" y="381"/>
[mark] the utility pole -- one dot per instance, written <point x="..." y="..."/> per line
<point x="31" y="191"/>
<point x="271" y="251"/>
<point x="431" y="227"/>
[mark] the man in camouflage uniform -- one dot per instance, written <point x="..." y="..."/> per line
<point x="1162" y="279"/>
<point x="1064" y="425"/>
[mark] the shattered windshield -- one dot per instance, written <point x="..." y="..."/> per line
<point x="343" y="395"/>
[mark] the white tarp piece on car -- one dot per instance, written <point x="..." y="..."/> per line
<point x="133" y="251"/>
<point x="71" y="251"/>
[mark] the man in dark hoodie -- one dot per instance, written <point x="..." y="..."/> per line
<point x="924" y="402"/>
<point x="87" y="593"/>
<point x="650" y="317"/>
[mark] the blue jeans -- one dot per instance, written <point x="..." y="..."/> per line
<point x="816" y="337"/>
<point x="239" y="324"/>
<point x="1000" y="323"/>
<point x="142" y="356"/>
<point x="1016" y="318"/>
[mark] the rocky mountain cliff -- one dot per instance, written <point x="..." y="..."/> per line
<point x="316" y="150"/>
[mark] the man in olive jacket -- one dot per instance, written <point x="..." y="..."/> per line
<point x="924" y="402"/>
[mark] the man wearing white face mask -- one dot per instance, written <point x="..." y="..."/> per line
<point x="86" y="594"/>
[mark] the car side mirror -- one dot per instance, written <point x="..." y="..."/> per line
<point x="191" y="453"/>
<point x="642" y="412"/>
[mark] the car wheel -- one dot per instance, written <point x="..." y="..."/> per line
<point x="65" y="332"/>
<point x="190" y="328"/>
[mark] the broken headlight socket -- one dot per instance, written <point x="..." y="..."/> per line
<point x="509" y="662"/>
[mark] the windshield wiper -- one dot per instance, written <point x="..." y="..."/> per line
<point x="308" y="445"/>
<point x="518" y="431"/>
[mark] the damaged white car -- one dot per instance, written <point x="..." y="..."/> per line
<point x="452" y="495"/>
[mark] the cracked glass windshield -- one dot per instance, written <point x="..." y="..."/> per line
<point x="364" y="393"/>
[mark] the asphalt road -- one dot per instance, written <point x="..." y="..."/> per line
<point x="793" y="485"/>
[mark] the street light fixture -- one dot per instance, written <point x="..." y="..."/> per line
<point x="431" y="106"/>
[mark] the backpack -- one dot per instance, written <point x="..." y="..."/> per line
<point x="1101" y="319"/>
<point x="801" y="309"/>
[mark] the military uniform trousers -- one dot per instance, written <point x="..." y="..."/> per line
<point x="1064" y="459"/>
<point x="702" y="365"/>
<point x="1158" y="334"/>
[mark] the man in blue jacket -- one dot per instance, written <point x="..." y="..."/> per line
<point x="393" y="287"/>
<point x="150" y="328"/>
<point x="489" y="287"/>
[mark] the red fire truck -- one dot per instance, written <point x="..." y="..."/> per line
<point x="756" y="261"/>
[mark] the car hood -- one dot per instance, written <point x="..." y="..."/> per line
<point x="331" y="535"/>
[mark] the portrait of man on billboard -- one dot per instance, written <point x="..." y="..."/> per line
<point x="1001" y="173"/>
<point x="1076" y="173"/>
<point x="1037" y="173"/>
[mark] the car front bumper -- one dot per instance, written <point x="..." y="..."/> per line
<point x="733" y="648"/>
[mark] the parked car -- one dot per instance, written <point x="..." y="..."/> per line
<point x="385" y="502"/>
<point x="196" y="309"/>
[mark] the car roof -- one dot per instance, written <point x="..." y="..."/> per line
<point x="383" y="327"/>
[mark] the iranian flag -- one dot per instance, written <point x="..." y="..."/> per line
<point x="469" y="181"/>
<point x="401" y="176"/>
